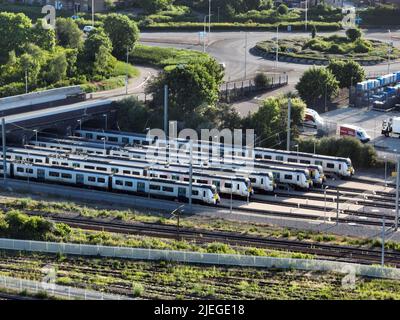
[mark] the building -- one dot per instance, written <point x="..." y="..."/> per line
<point x="75" y="6"/>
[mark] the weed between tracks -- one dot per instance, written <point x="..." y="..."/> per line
<point x="166" y="280"/>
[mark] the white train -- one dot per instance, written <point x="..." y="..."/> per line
<point x="109" y="182"/>
<point x="261" y="181"/>
<point x="333" y="165"/>
<point x="235" y="185"/>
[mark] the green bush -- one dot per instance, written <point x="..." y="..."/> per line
<point x="353" y="34"/>
<point x="12" y="89"/>
<point x="362" y="155"/>
<point x="261" y="80"/>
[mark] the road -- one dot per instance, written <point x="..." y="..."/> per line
<point x="229" y="48"/>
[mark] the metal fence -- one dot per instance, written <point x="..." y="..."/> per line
<point x="199" y="258"/>
<point x="51" y="289"/>
<point x="236" y="90"/>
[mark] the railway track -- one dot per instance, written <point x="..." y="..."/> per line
<point x="328" y="251"/>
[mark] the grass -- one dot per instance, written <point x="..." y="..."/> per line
<point x="167" y="280"/>
<point x="332" y="47"/>
<point x="163" y="57"/>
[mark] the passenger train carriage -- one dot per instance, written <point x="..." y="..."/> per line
<point x="108" y="182"/>
<point x="333" y="165"/>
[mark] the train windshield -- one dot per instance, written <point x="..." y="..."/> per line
<point x="348" y="162"/>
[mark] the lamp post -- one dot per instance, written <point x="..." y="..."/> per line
<point x="191" y="175"/>
<point x="277" y="48"/>
<point x="389" y="50"/>
<point x="231" y="204"/>
<point x="104" y="143"/>
<point x="105" y="117"/>
<point x="36" y="134"/>
<point x="326" y="188"/>
<point x="245" y="56"/>
<point x="26" y="81"/>
<point x="80" y="124"/>
<point x="385" y="170"/>
<point x="92" y="13"/>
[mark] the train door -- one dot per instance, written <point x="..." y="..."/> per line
<point x="79" y="179"/>
<point x="141" y="187"/>
<point x="181" y="193"/>
<point x="217" y="184"/>
<point x="41" y="174"/>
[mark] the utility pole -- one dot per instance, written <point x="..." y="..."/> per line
<point x="127" y="62"/>
<point x="396" y="222"/>
<point x="383" y="242"/>
<point x="191" y="175"/>
<point x="3" y="137"/>
<point x="288" y="124"/>
<point x="204" y="34"/>
<point x="306" y="15"/>
<point x="389" y="50"/>
<point x="92" y="13"/>
<point x="218" y="14"/>
<point x="209" y="20"/>
<point x="385" y="170"/>
<point x="277" y="48"/>
<point x="26" y="81"/>
<point x="231" y="204"/>
<point x="166" y="111"/>
<point x="245" y="56"/>
<point x="326" y="96"/>
<point x="337" y="206"/>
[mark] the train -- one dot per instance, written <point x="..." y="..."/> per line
<point x="331" y="165"/>
<point x="283" y="174"/>
<point x="84" y="178"/>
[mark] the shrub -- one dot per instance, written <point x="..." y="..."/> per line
<point x="362" y="46"/>
<point x="353" y="34"/>
<point x="283" y="9"/>
<point x="12" y="89"/>
<point x="261" y="80"/>
<point x="137" y="289"/>
<point x="335" y="48"/>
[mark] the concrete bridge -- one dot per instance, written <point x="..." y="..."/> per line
<point x="21" y="128"/>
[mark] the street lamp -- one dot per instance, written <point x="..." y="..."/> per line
<point x="389" y="50"/>
<point x="36" y="134"/>
<point x="80" y="124"/>
<point x="231" y="204"/>
<point x="104" y="143"/>
<point x="191" y="175"/>
<point x="326" y="188"/>
<point x="105" y="117"/>
<point x="385" y="157"/>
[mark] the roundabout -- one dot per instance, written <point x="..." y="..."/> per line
<point x="319" y="50"/>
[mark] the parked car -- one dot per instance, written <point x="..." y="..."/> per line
<point x="88" y="29"/>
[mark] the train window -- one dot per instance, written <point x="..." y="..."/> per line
<point x="340" y="167"/>
<point x="262" y="180"/>
<point x="128" y="183"/>
<point x="134" y="141"/>
<point x="113" y="139"/>
<point x="258" y="156"/>
<point x="66" y="176"/>
<point x="168" y="189"/>
<point x="29" y="171"/>
<point x="298" y="178"/>
<point x="135" y="173"/>
<point x="330" y="165"/>
<point x="279" y="158"/>
<point x="8" y="157"/>
<point x="20" y="169"/>
<point x="186" y="179"/>
<point x="163" y="176"/>
<point x="89" y="167"/>
<point x="38" y="161"/>
<point x="114" y="170"/>
<point x="202" y="181"/>
<point x="253" y="180"/>
<point x="266" y="157"/>
<point x="124" y="140"/>
<point x="92" y="179"/>
<point x="126" y="172"/>
<point x="89" y="135"/>
<point x="18" y="158"/>
<point x="54" y="162"/>
<point x="64" y="164"/>
<point x="101" y="180"/>
<point x="54" y="174"/>
<point x="101" y="137"/>
<point x="118" y="182"/>
<point x="154" y="187"/>
<point x="101" y="169"/>
<point x="204" y="194"/>
<point x="288" y="176"/>
<point x="318" y="163"/>
<point x="228" y="185"/>
<point x="175" y="178"/>
<point x="195" y="193"/>
<point x="76" y="165"/>
<point x="305" y="162"/>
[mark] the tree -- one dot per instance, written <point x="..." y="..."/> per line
<point x="14" y="33"/>
<point x="315" y="83"/>
<point x="133" y="115"/>
<point x="283" y="9"/>
<point x="192" y="89"/>
<point x="353" y="34"/>
<point x="56" y="68"/>
<point x="123" y="33"/>
<point x="68" y="33"/>
<point x="348" y="73"/>
<point x="313" y="32"/>
<point x="270" y="121"/>
<point x="44" y="38"/>
<point x="252" y="4"/>
<point x="96" y="60"/>
<point x="153" y="6"/>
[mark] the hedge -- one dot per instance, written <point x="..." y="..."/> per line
<point x="198" y="26"/>
<point x="12" y="89"/>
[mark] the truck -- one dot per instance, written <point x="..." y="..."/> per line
<point x="313" y="119"/>
<point x="391" y="126"/>
<point x="348" y="130"/>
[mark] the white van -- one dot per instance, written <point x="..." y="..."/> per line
<point x="348" y="130"/>
<point x="313" y="119"/>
